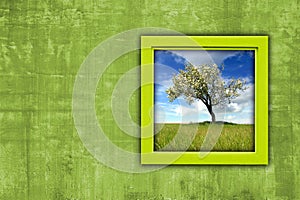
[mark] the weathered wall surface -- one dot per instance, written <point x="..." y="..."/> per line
<point x="42" y="45"/>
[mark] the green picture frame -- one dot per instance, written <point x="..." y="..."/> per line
<point x="257" y="43"/>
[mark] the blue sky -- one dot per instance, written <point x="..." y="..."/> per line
<point x="237" y="64"/>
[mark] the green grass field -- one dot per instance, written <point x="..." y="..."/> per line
<point x="173" y="137"/>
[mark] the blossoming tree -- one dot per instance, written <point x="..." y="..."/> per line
<point x="206" y="84"/>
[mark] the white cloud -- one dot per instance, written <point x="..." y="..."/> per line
<point x="247" y="96"/>
<point x="179" y="59"/>
<point x="195" y="108"/>
<point x="241" y="110"/>
<point x="201" y="57"/>
<point x="195" y="57"/>
<point x="163" y="86"/>
<point x="229" y="117"/>
<point x="165" y="73"/>
<point x="234" y="107"/>
<point x="181" y="112"/>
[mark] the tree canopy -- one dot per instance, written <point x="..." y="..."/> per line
<point x="205" y="83"/>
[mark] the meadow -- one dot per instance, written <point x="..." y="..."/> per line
<point x="189" y="137"/>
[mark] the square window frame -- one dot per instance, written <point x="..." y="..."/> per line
<point x="257" y="43"/>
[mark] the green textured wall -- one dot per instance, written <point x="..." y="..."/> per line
<point x="42" y="45"/>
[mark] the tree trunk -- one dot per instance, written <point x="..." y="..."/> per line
<point x="213" y="117"/>
<point x="211" y="112"/>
